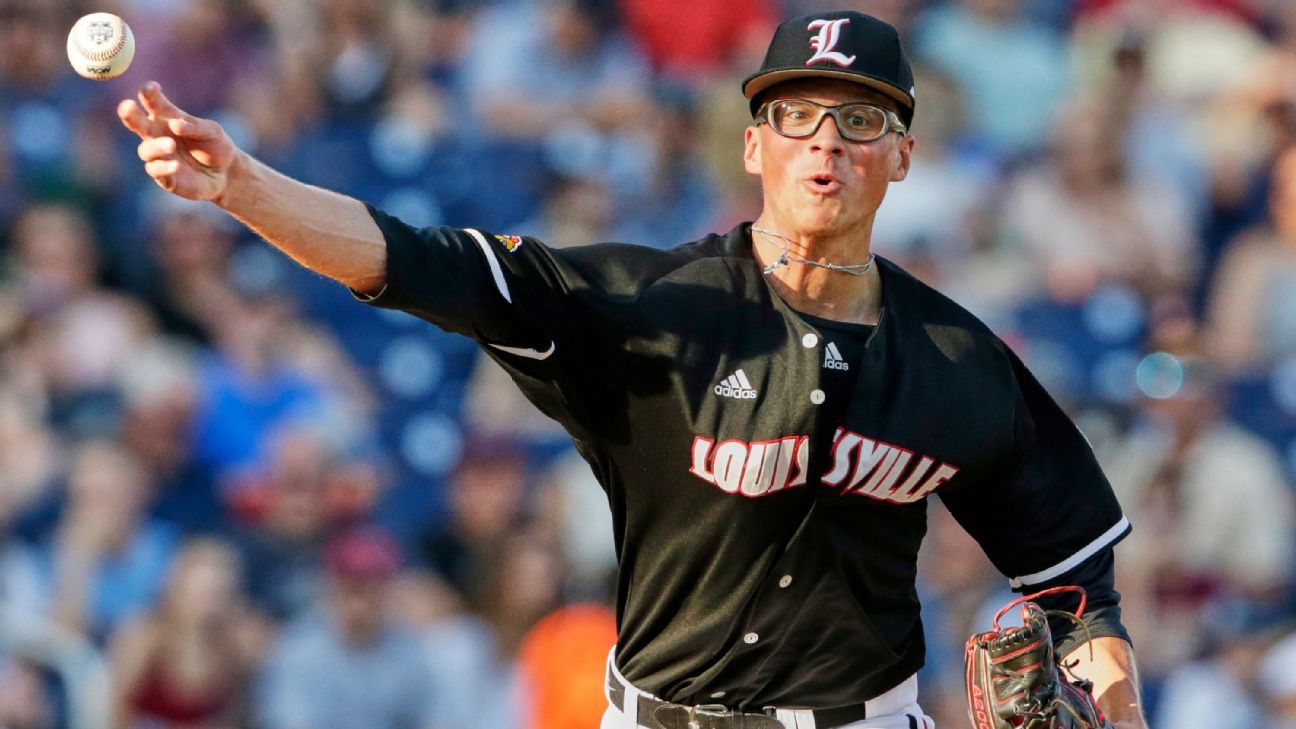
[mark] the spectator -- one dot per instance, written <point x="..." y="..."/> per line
<point x="107" y="559"/>
<point x="562" y="61"/>
<point x="486" y="501"/>
<point x="351" y="666"/>
<point x="1218" y="690"/>
<point x="1253" y="299"/>
<point x="22" y="595"/>
<point x="1159" y="133"/>
<point x="158" y="387"/>
<point x="56" y="260"/>
<point x="80" y="336"/>
<point x="461" y="652"/>
<point x="522" y="583"/>
<point x="1083" y="220"/>
<point x="689" y="41"/>
<point x="674" y="199"/>
<point x="357" y="50"/>
<point x="1215" y="513"/>
<point x="974" y="41"/>
<point x="572" y="515"/>
<point x="187" y="663"/>
<point x="1211" y="497"/>
<point x="215" y="31"/>
<point x="1278" y="687"/>
<point x="30" y="55"/>
<point x="1202" y="62"/>
<point x="31" y="461"/>
<point x="290" y="505"/>
<point x="191" y="251"/>
<point x="24" y="703"/>
<point x="249" y="387"/>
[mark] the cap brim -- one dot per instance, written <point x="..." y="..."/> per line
<point x="759" y="83"/>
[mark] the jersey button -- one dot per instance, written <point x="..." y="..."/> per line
<point x="817" y="397"/>
<point x="785" y="580"/>
<point x="809" y="341"/>
<point x="750" y="638"/>
<point x="718" y="695"/>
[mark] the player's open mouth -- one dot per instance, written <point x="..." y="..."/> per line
<point x="824" y="184"/>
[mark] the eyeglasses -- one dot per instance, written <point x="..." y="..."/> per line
<point x="857" y="122"/>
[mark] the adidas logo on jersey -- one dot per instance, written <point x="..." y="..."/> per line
<point x="736" y="386"/>
<point x="833" y="359"/>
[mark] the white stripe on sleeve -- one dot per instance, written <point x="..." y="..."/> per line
<point x="1086" y="552"/>
<point x="526" y="352"/>
<point x="493" y="262"/>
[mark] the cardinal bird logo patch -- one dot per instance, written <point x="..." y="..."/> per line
<point x="510" y="242"/>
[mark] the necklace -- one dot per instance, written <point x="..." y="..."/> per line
<point x="787" y="256"/>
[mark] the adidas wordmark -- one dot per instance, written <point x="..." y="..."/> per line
<point x="833" y="359"/>
<point x="736" y="386"/>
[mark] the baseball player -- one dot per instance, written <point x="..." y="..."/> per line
<point x="768" y="409"/>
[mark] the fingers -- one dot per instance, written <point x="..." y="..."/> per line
<point x="162" y="170"/>
<point x="155" y="148"/>
<point x="157" y="104"/>
<point x="134" y="118"/>
<point x="194" y="129"/>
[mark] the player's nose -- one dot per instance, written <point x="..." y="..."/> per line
<point x="827" y="138"/>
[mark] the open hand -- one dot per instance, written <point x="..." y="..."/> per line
<point x="184" y="154"/>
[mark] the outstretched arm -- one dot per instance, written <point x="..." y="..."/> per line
<point x="194" y="158"/>
<point x="1115" y="679"/>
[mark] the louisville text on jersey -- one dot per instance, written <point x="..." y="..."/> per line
<point x="860" y="465"/>
<point x="752" y="469"/>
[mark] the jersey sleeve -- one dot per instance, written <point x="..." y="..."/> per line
<point x="510" y="293"/>
<point x="1102" y="614"/>
<point x="1048" y="507"/>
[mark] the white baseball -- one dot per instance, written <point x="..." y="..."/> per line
<point x="101" y="46"/>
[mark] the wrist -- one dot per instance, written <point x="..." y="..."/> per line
<point x="237" y="176"/>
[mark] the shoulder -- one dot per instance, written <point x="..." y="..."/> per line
<point x="629" y="269"/>
<point x="934" y="319"/>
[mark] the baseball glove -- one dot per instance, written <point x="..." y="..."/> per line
<point x="1014" y="680"/>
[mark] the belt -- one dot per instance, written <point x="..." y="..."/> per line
<point x="654" y="713"/>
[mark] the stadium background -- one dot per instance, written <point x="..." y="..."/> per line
<point x="216" y="468"/>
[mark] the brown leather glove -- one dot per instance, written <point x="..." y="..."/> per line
<point x="1014" y="680"/>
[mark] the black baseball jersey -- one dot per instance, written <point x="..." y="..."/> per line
<point x="767" y="518"/>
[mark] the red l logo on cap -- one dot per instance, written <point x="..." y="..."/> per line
<point x="824" y="43"/>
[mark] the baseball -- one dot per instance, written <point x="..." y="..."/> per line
<point x="100" y="46"/>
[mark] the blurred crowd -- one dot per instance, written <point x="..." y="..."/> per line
<point x="241" y="499"/>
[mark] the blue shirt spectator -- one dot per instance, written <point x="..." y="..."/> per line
<point x="317" y="679"/>
<point x="1012" y="71"/>
<point x="351" y="666"/>
<point x="106" y="559"/>
<point x="532" y="68"/>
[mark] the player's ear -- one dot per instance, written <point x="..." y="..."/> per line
<point x="751" y="150"/>
<point x="904" y="149"/>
